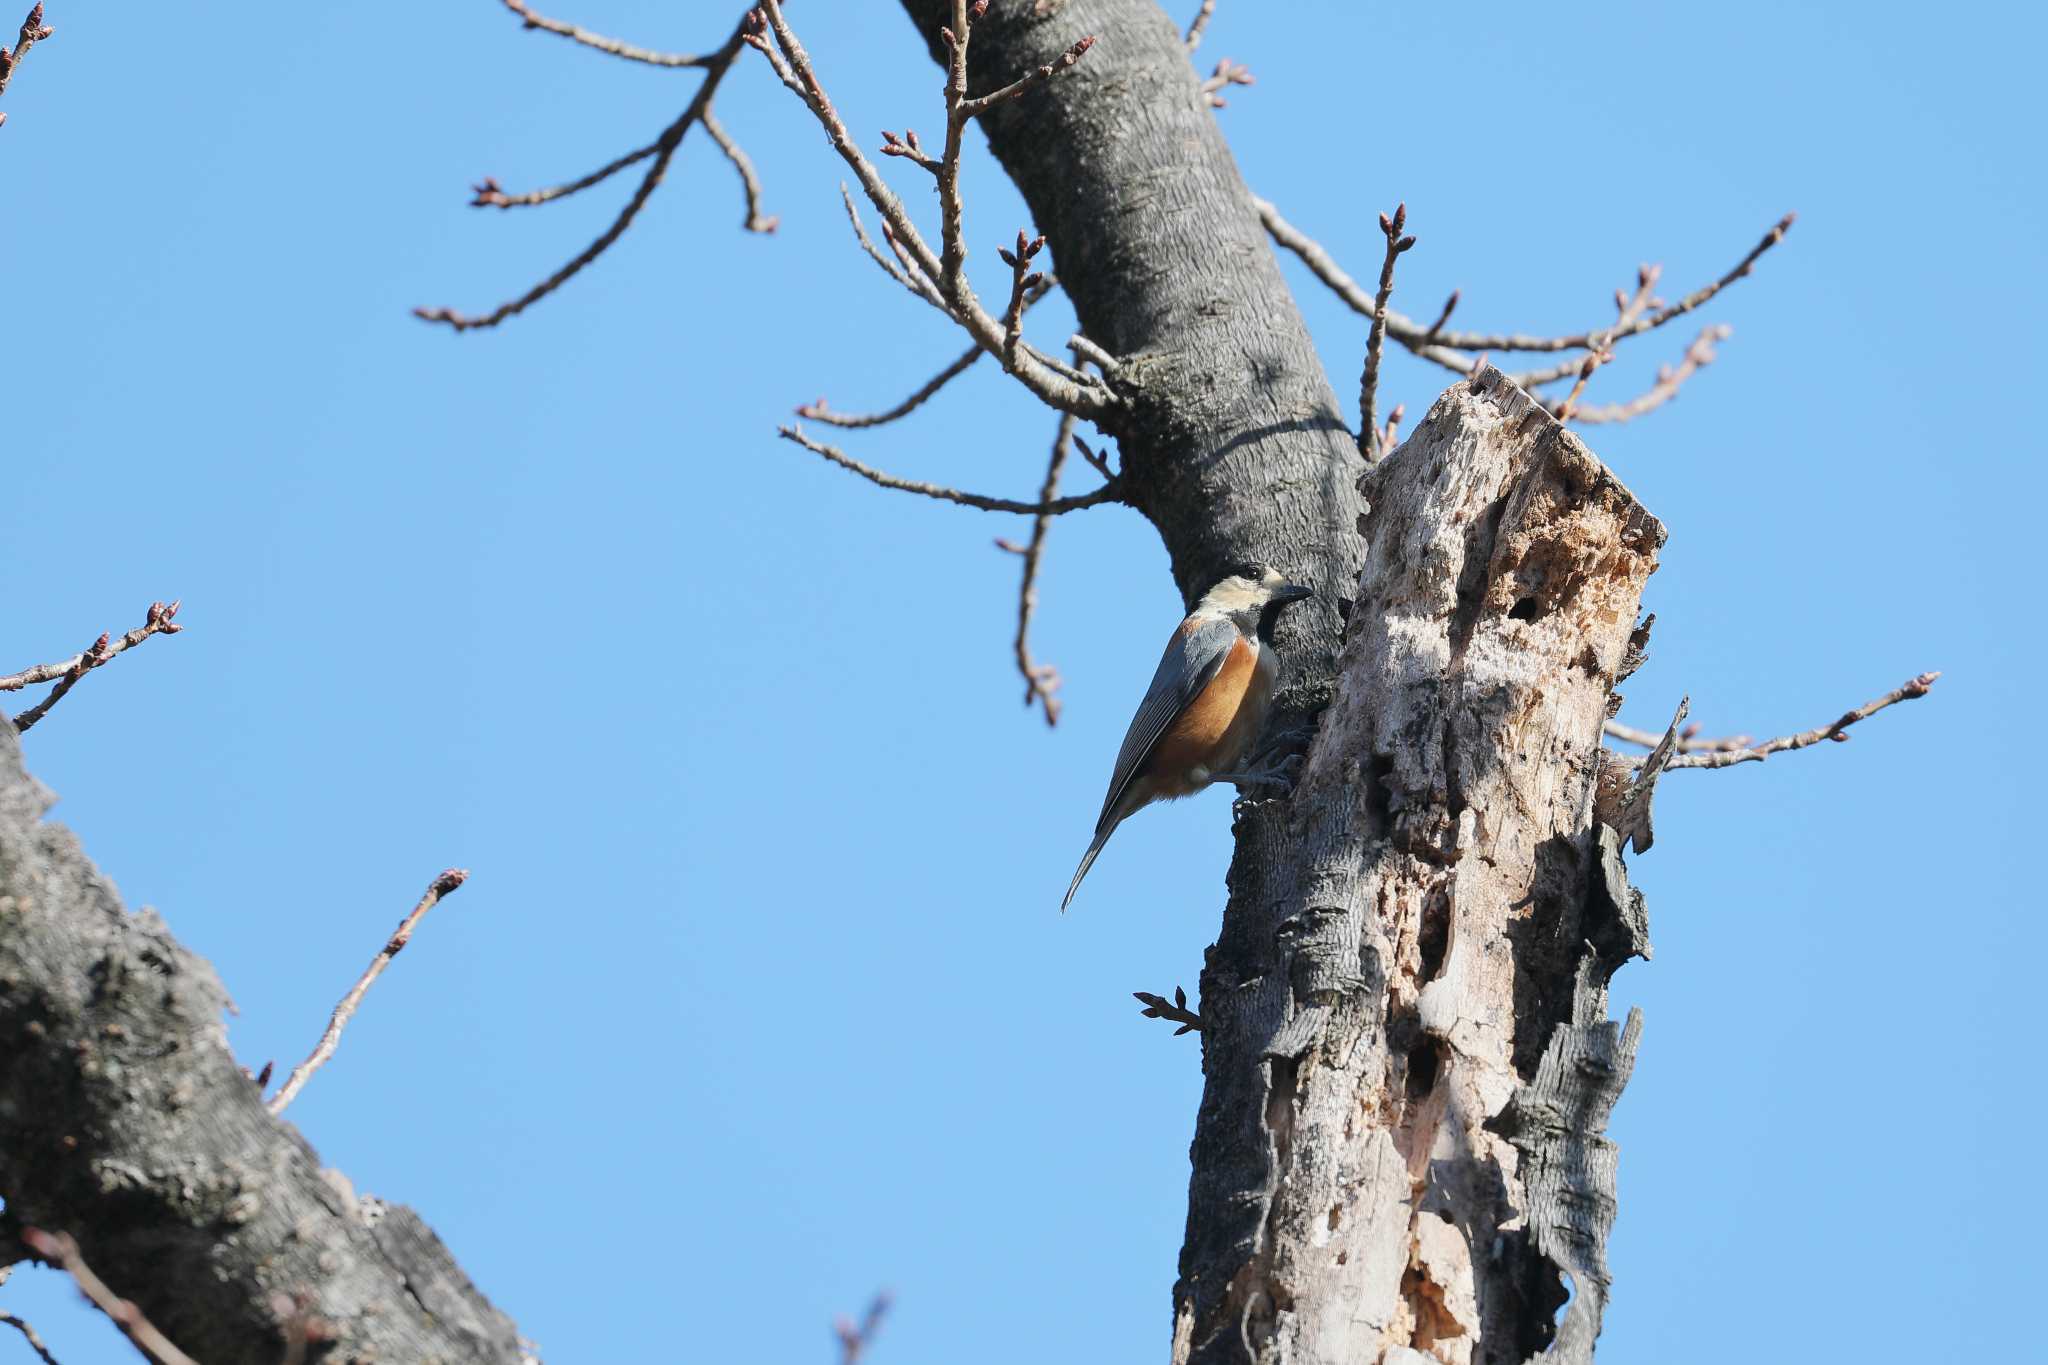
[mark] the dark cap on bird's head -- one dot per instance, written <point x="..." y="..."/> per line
<point x="1254" y="592"/>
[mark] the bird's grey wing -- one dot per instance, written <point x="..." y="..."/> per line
<point x="1193" y="657"/>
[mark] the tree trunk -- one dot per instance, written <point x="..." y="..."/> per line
<point x="1406" y="1055"/>
<point x="126" y="1122"/>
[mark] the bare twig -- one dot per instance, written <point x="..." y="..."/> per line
<point x="61" y="1250"/>
<point x="1201" y="21"/>
<point x="1368" y="381"/>
<point x="1024" y="84"/>
<point x="489" y="194"/>
<point x="1600" y="349"/>
<point x="1023" y="280"/>
<point x="750" y="183"/>
<point x="1053" y="507"/>
<point x="1101" y="466"/>
<point x="941" y="270"/>
<point x="664" y="150"/>
<point x="1450" y="304"/>
<point x="1226" y="73"/>
<point x="160" y="620"/>
<point x="1041" y="681"/>
<point x="1391" y="435"/>
<point x="35" y="1342"/>
<point x="611" y="46"/>
<point x="1158" y="1007"/>
<point x="1649" y="322"/>
<point x="1836" y="730"/>
<point x="856" y="1337"/>
<point x="1087" y="350"/>
<point x="1689" y="741"/>
<point x="33" y="31"/>
<point x="1447" y="348"/>
<point x="892" y="269"/>
<point x="1669" y="379"/>
<point x="441" y="886"/>
<point x="818" y="412"/>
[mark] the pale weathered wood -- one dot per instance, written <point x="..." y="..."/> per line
<point x="126" y="1122"/>
<point x="1407" y="934"/>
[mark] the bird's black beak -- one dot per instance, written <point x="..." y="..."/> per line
<point x="1293" y="592"/>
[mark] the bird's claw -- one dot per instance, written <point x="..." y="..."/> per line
<point x="1276" y="773"/>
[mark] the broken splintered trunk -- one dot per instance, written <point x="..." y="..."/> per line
<point x="1408" y="1063"/>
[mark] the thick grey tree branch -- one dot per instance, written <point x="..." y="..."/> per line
<point x="126" y="1123"/>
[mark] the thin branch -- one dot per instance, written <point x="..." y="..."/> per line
<point x="891" y="268"/>
<point x="1030" y="80"/>
<point x="1325" y="268"/>
<point x="441" y="886"/>
<point x="1052" y="507"/>
<point x="1836" y="730"/>
<point x="489" y="194"/>
<point x="1085" y="348"/>
<point x="1041" y="681"/>
<point x="1669" y="380"/>
<point x="160" y="620"/>
<point x="1450" y="305"/>
<point x="750" y="182"/>
<point x="1516" y="341"/>
<point x="1023" y="280"/>
<point x="818" y="412"/>
<point x="1100" y="465"/>
<point x="792" y="66"/>
<point x="1391" y="435"/>
<point x="610" y="46"/>
<point x="1201" y="21"/>
<point x="855" y="1338"/>
<point x="1600" y="349"/>
<point x="665" y="146"/>
<point x="1689" y="741"/>
<point x="1446" y="348"/>
<point x="1368" y="382"/>
<point x="35" y="1342"/>
<point x="1157" y="1007"/>
<point x="33" y="31"/>
<point x="1226" y="73"/>
<point x="61" y="1250"/>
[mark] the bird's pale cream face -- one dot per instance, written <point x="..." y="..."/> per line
<point x="1243" y="592"/>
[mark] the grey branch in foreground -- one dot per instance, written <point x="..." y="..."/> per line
<point x="187" y="1196"/>
<point x="445" y="884"/>
<point x="160" y="620"/>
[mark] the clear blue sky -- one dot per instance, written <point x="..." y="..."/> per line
<point x="759" y="998"/>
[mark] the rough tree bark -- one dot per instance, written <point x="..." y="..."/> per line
<point x="1403" y="944"/>
<point x="1406" y="1055"/>
<point x="126" y="1122"/>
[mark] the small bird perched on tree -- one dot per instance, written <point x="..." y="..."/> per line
<point x="1206" y="705"/>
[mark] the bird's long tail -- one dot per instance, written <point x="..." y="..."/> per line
<point x="1088" y="860"/>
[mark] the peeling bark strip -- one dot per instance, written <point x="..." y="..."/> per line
<point x="125" y="1121"/>
<point x="1406" y="947"/>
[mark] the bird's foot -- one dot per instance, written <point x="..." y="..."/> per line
<point x="1276" y="772"/>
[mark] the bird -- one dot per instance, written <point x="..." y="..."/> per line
<point x="1207" y="703"/>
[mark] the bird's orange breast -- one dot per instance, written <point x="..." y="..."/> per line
<point x="1216" y="727"/>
